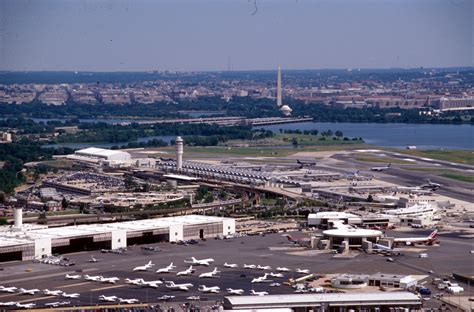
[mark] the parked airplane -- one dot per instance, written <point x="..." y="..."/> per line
<point x="302" y="271"/>
<point x="250" y="266"/>
<point x="110" y="280"/>
<point x="381" y="168"/>
<point x="72" y="295"/>
<point x="108" y="298"/>
<point x="96" y="278"/>
<point x="52" y="292"/>
<point x="262" y="279"/>
<point x="93" y="260"/>
<point x="197" y="298"/>
<point x="299" y="241"/>
<point x="275" y="274"/>
<point x="166" y="269"/>
<point x="128" y="301"/>
<point x="266" y="267"/>
<point x="74" y="277"/>
<point x="431" y="185"/>
<point x="258" y="293"/>
<point x="195" y="261"/>
<point x="188" y="271"/>
<point x="235" y="291"/>
<point x="25" y="305"/>
<point x="304" y="163"/>
<point x="8" y="289"/>
<point x="166" y="298"/>
<point x="145" y="267"/>
<point x="429" y="240"/>
<point x="230" y="265"/>
<point x="57" y="303"/>
<point x="172" y="285"/>
<point x="137" y="281"/>
<point x="8" y="304"/>
<point x="282" y="269"/>
<point x="24" y="291"/>
<point x="209" y="274"/>
<point x="152" y="284"/>
<point x="275" y="285"/>
<point x="213" y="289"/>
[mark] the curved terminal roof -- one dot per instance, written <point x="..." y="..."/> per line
<point x="352" y="232"/>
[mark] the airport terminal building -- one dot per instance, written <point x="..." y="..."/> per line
<point x="24" y="244"/>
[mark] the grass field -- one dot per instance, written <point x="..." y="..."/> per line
<point x="459" y="177"/>
<point x="450" y="174"/>
<point x="384" y="160"/>
<point x="457" y="156"/>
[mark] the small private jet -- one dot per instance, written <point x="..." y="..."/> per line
<point x="230" y="265"/>
<point x="108" y="298"/>
<point x="152" y="284"/>
<point x="264" y="267"/>
<point x="110" y="280"/>
<point x="279" y="275"/>
<point x="96" y="278"/>
<point x="205" y="262"/>
<point x="235" y="291"/>
<point x="145" y="267"/>
<point x="57" y="304"/>
<point x="282" y="269"/>
<point x="71" y="295"/>
<point x="166" y="298"/>
<point x="8" y="304"/>
<point x="188" y="271"/>
<point x="24" y="291"/>
<point x="262" y="279"/>
<point x="8" y="289"/>
<point x="212" y="289"/>
<point x="166" y="269"/>
<point x="275" y="285"/>
<point x="25" y="305"/>
<point x="258" y="293"/>
<point x="382" y="168"/>
<point x="305" y="241"/>
<point x="183" y="287"/>
<point x="302" y="271"/>
<point x="73" y="277"/>
<point x="52" y="292"/>
<point x="250" y="266"/>
<point x="211" y="274"/>
<point x="197" y="298"/>
<point x="128" y="301"/>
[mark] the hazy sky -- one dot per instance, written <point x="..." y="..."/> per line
<point x="144" y="35"/>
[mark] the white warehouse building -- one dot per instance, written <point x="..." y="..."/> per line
<point x="34" y="243"/>
<point x="103" y="154"/>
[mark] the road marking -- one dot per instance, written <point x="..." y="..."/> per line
<point x="72" y="285"/>
<point x="9" y="294"/>
<point x="36" y="299"/>
<point x="108" y="287"/>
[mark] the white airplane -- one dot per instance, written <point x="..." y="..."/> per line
<point x="8" y="304"/>
<point x="110" y="280"/>
<point x="213" y="289"/>
<point x="195" y="261"/>
<point x="166" y="269"/>
<point x="52" y="292"/>
<point x="165" y="298"/>
<point x="152" y="284"/>
<point x="209" y="274"/>
<point x="25" y="305"/>
<point x="145" y="267"/>
<point x="250" y="266"/>
<point x="230" y="265"/>
<point x="429" y="240"/>
<point x="73" y="277"/>
<point x="381" y="168"/>
<point x="193" y="298"/>
<point x="275" y="274"/>
<point x="57" y="304"/>
<point x="137" y="281"/>
<point x="282" y="269"/>
<point x="183" y="287"/>
<point x="261" y="279"/>
<point x="188" y="271"/>
<point x="93" y="260"/>
<point x="302" y="271"/>
<point x="266" y="267"/>
<point x="8" y="289"/>
<point x="24" y="291"/>
<point x="258" y="293"/>
<point x="275" y="285"/>
<point x="235" y="291"/>
<point x="128" y="301"/>
<point x="431" y="185"/>
<point x="108" y="298"/>
<point x="96" y="278"/>
<point x="72" y="295"/>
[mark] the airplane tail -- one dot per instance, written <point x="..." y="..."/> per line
<point x="433" y="235"/>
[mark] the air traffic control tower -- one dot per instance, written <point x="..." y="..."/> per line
<point x="179" y="153"/>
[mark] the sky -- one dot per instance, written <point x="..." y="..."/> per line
<point x="197" y="35"/>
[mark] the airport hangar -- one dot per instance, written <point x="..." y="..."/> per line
<point x="24" y="244"/>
